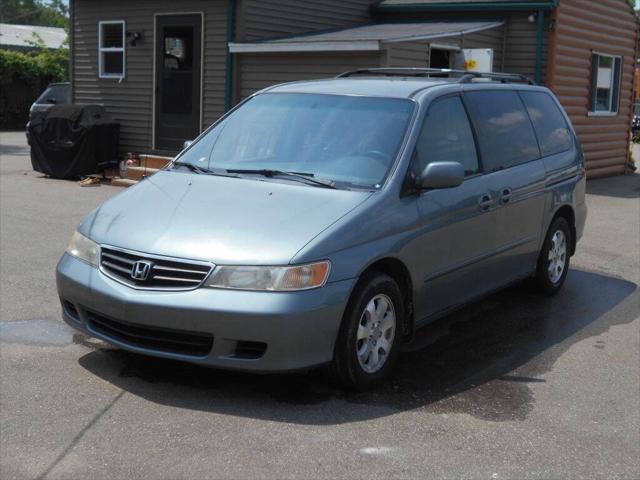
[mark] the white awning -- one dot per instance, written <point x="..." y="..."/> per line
<point x="363" y="38"/>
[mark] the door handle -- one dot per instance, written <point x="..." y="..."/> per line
<point x="485" y="202"/>
<point x="505" y="196"/>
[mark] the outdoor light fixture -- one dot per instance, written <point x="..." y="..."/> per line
<point x="134" y="37"/>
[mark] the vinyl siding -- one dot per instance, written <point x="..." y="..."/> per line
<point x="257" y="19"/>
<point x="257" y="71"/>
<point x="131" y="101"/>
<point x="514" y="43"/>
<point x="520" y="51"/>
<point x="582" y="26"/>
<point x="407" y="54"/>
<point x="416" y="54"/>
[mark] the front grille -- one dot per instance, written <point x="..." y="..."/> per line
<point x="196" y="344"/>
<point x="146" y="271"/>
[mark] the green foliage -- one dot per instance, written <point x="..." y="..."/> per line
<point x="23" y="77"/>
<point x="54" y="13"/>
<point x="42" y="65"/>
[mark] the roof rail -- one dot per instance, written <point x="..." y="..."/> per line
<point x="464" y="75"/>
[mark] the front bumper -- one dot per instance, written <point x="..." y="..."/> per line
<point x="298" y="328"/>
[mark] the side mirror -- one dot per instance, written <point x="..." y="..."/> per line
<point x="186" y="144"/>
<point x="52" y="101"/>
<point x="441" y="175"/>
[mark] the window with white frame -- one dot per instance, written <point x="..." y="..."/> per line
<point x="111" y="45"/>
<point x="605" y="83"/>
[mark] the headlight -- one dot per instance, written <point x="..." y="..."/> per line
<point x="300" y="277"/>
<point x="84" y="249"/>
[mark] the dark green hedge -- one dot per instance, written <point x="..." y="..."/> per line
<point x="23" y="77"/>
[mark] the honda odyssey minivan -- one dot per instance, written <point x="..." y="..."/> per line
<point x="320" y="223"/>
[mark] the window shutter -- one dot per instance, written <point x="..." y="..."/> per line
<point x="615" y="92"/>
<point x="595" y="62"/>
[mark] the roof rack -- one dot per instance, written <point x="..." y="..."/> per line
<point x="464" y="75"/>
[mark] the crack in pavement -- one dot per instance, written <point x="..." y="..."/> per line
<point x="80" y="434"/>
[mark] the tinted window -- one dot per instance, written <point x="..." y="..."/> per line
<point x="446" y="136"/>
<point x="549" y="123"/>
<point x="505" y="134"/>
<point x="58" y="94"/>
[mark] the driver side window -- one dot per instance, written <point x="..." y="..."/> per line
<point x="446" y="136"/>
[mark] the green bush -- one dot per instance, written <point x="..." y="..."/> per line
<point x="23" y="77"/>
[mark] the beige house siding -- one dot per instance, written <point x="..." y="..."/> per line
<point x="257" y="19"/>
<point x="257" y="71"/>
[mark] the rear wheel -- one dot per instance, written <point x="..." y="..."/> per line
<point x="367" y="344"/>
<point x="553" y="262"/>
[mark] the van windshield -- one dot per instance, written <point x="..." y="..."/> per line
<point x="348" y="140"/>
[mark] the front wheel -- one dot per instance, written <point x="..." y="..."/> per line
<point x="367" y="344"/>
<point x="553" y="262"/>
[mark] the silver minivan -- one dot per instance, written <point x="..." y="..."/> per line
<point x="320" y="223"/>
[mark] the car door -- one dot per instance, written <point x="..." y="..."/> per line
<point x="511" y="158"/>
<point x="457" y="224"/>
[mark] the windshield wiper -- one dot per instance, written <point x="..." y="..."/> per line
<point x="202" y="171"/>
<point x="192" y="167"/>
<point x="301" y="176"/>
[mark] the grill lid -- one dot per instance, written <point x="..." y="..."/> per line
<point x="145" y="271"/>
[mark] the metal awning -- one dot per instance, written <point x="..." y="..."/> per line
<point x="363" y="38"/>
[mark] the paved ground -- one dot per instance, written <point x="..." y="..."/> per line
<point x="517" y="387"/>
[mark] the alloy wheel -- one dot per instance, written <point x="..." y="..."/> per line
<point x="376" y="331"/>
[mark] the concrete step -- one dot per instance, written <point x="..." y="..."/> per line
<point x="138" y="173"/>
<point x="122" y="182"/>
<point x="154" y="161"/>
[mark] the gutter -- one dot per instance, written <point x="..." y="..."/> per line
<point x="471" y="6"/>
<point x="228" y="72"/>
<point x="539" y="44"/>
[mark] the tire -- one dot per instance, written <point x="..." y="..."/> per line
<point x="354" y="363"/>
<point x="553" y="265"/>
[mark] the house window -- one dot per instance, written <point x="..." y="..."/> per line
<point x="111" y="49"/>
<point x="605" y="83"/>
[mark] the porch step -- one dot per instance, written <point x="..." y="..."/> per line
<point x="154" y="161"/>
<point x="122" y="182"/>
<point x="138" y="173"/>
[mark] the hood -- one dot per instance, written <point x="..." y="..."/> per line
<point x="219" y="219"/>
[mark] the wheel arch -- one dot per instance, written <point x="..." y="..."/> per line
<point x="397" y="270"/>
<point x="566" y="211"/>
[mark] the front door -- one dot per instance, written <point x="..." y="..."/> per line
<point x="177" y="80"/>
<point x="458" y="223"/>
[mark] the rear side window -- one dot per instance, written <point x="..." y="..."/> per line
<point x="552" y="129"/>
<point x="505" y="134"/>
<point x="446" y="136"/>
<point x="55" y="94"/>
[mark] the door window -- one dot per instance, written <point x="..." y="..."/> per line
<point x="177" y="79"/>
<point x="446" y="136"/>
<point x="550" y="125"/>
<point x="505" y="133"/>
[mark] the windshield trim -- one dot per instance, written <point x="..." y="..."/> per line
<point x="393" y="165"/>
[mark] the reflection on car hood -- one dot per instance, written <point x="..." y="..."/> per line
<point x="224" y="220"/>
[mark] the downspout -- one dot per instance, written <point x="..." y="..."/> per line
<point x="539" y="43"/>
<point x="228" y="72"/>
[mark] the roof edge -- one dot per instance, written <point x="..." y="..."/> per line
<point x="468" y="6"/>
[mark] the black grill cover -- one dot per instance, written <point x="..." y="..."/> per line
<point x="69" y="141"/>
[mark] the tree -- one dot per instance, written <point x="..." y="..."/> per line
<point x="54" y="13"/>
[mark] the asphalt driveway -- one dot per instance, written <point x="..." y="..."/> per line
<point x="517" y="386"/>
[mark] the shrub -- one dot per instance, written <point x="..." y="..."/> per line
<point x="23" y="77"/>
